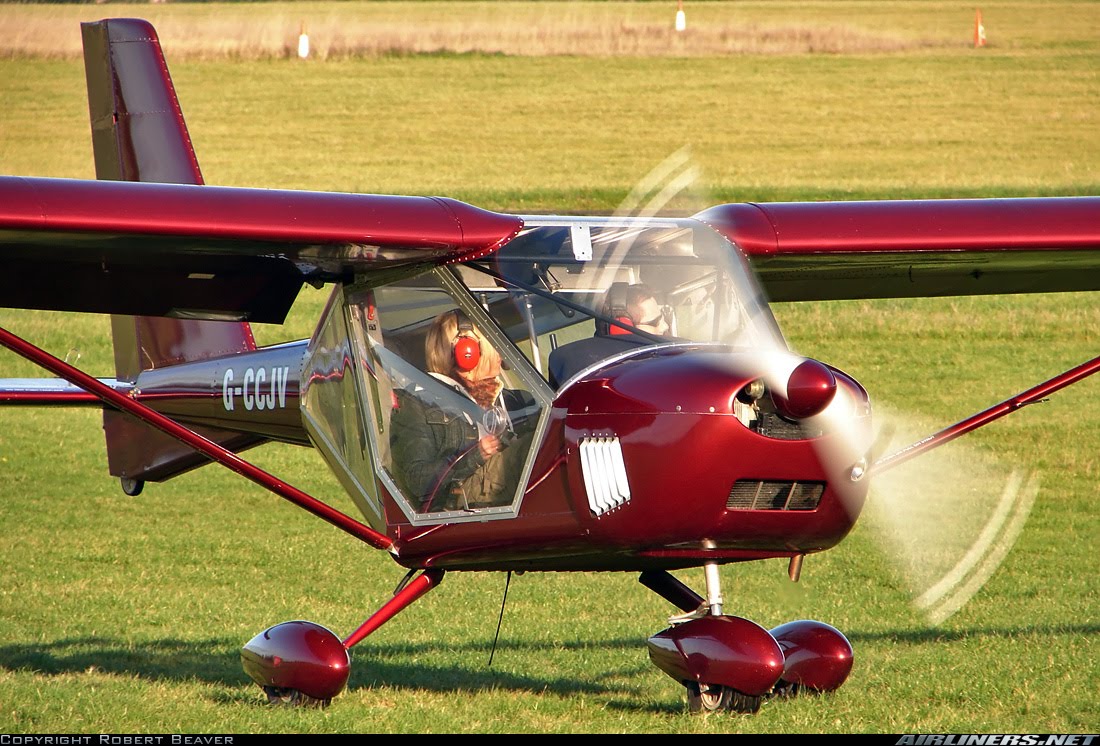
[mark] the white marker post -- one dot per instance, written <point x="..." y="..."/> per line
<point x="303" y="43"/>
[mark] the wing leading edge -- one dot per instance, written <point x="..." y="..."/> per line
<point x="215" y="252"/>
<point x="905" y="249"/>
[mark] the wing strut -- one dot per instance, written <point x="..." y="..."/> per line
<point x="169" y="426"/>
<point x="1008" y="406"/>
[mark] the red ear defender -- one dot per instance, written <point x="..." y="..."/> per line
<point x="618" y="329"/>
<point x="467" y="353"/>
<point x="615" y="307"/>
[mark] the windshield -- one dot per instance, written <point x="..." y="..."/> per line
<point x="455" y="410"/>
<point x="454" y="436"/>
<point x="571" y="292"/>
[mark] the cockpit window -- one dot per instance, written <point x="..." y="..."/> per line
<point x="455" y="408"/>
<point x="452" y="371"/>
<point x="571" y="292"/>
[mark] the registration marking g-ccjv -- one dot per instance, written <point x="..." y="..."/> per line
<point x="260" y="388"/>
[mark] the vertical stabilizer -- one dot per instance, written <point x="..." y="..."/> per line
<point x="139" y="134"/>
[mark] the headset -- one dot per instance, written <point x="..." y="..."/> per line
<point x="615" y="307"/>
<point x="466" y="347"/>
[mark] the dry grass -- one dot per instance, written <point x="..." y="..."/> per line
<point x="515" y="29"/>
<point x="575" y="37"/>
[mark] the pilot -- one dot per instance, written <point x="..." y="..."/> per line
<point x="631" y="305"/>
<point x="643" y="311"/>
<point x="454" y="443"/>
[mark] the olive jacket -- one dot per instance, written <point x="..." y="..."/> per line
<point x="434" y="438"/>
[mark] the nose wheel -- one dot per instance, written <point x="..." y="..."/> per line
<point x="730" y="664"/>
<point x="293" y="698"/>
<point x="718" y="698"/>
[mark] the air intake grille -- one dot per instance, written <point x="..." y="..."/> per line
<point x="749" y="494"/>
<point x="604" y="474"/>
<point x="773" y="426"/>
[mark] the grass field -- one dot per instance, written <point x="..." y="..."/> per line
<point x="126" y="614"/>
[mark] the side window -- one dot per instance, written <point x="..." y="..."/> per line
<point x="454" y="420"/>
<point x="334" y="411"/>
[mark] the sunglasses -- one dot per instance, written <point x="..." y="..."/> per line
<point x="655" y="321"/>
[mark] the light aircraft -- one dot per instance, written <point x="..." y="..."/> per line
<point x="624" y="344"/>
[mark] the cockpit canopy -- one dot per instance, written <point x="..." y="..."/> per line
<point x="563" y="297"/>
<point x="568" y="280"/>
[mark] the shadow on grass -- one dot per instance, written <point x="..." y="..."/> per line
<point x="211" y="661"/>
<point x="202" y="660"/>
<point x="933" y="634"/>
<point x="406" y="665"/>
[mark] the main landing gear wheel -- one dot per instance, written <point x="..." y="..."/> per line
<point x="718" y="698"/>
<point x="293" y="698"/>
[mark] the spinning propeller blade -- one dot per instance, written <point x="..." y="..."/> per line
<point x="944" y="520"/>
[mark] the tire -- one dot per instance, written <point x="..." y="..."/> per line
<point x="293" y="698"/>
<point x="706" y="698"/>
<point x="132" y="487"/>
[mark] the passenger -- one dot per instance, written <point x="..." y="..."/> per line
<point x="455" y="446"/>
<point x="631" y="305"/>
<point x="642" y="311"/>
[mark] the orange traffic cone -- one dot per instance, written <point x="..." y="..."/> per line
<point x="979" y="29"/>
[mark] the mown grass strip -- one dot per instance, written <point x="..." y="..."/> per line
<point x="121" y="614"/>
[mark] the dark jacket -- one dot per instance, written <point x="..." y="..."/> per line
<point x="434" y="445"/>
<point x="570" y="359"/>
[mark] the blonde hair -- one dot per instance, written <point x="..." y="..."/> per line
<point x="439" y="348"/>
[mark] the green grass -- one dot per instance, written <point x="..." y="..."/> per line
<point x="125" y="614"/>
<point x="541" y="133"/>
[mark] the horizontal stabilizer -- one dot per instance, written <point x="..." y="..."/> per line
<point x="47" y="392"/>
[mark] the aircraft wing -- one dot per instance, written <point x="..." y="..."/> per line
<point x="899" y="249"/>
<point x="215" y="252"/>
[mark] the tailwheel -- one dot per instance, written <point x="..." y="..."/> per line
<point x="293" y="698"/>
<point x="719" y="698"/>
<point x="132" y="487"/>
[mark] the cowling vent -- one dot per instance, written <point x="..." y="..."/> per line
<point x="751" y="494"/>
<point x="604" y="472"/>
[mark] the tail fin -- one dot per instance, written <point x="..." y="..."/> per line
<point x="138" y="134"/>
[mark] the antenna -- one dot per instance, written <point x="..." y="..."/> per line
<point x="500" y="619"/>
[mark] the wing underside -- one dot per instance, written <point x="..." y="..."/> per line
<point x="215" y="252"/>
<point x="902" y="249"/>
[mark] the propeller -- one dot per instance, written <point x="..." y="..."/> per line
<point x="946" y="520"/>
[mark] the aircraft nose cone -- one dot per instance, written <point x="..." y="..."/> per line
<point x="810" y="388"/>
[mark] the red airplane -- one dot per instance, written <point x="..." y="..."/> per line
<point x="502" y="392"/>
